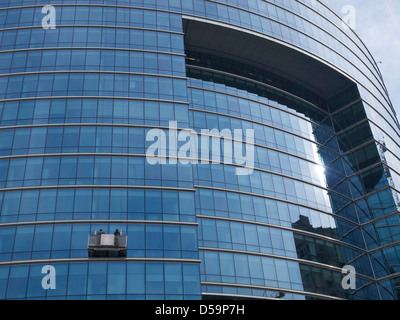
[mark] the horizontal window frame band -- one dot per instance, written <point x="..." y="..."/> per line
<point x="293" y="178"/>
<point x="94" y="26"/>
<point x="29" y="73"/>
<point x="52" y="125"/>
<point x="92" y="97"/>
<point x="15" y="156"/>
<point x="266" y="125"/>
<point x="366" y="169"/>
<point x="354" y="125"/>
<point x="127" y="125"/>
<point x="374" y="192"/>
<point x="94" y="260"/>
<point x="379" y="218"/>
<point x="249" y="286"/>
<point x="87" y="186"/>
<point x="297" y="231"/>
<point x="372" y="166"/>
<point x="389" y="245"/>
<point x="274" y="256"/>
<point x="368" y="195"/>
<point x="91" y="124"/>
<point x="85" y="154"/>
<point x="96" y="221"/>
<point x="93" y="48"/>
<point x="130" y="155"/>
<point x="258" y="83"/>
<point x="345" y="206"/>
<point x="275" y="199"/>
<point x="138" y="155"/>
<point x="290" y="45"/>
<point x="358" y="147"/>
<point x="96" y="5"/>
<point x="341" y="109"/>
<point x="258" y="102"/>
<point x="238" y="296"/>
<point x="385" y="246"/>
<point x="177" y="158"/>
<point x="389" y="277"/>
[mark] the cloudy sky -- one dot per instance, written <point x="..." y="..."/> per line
<point x="378" y="25"/>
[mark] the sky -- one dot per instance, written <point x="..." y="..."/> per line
<point x="378" y="25"/>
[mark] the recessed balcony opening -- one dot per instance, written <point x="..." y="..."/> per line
<point x="284" y="61"/>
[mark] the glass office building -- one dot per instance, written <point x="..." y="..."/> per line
<point x="77" y="102"/>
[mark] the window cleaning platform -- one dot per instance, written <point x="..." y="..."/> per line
<point x="107" y="245"/>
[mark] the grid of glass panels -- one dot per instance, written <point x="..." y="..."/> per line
<point x="89" y="170"/>
<point x="48" y="241"/>
<point x="74" y="110"/>
<point x="293" y="22"/>
<point x="258" y="272"/>
<point x="92" y="84"/>
<point x="203" y="95"/>
<point x="96" y="203"/>
<point x="120" y="72"/>
<point x="93" y="60"/>
<point x="103" y="280"/>
<point x="118" y="48"/>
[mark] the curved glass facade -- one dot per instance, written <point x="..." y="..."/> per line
<point x="78" y="103"/>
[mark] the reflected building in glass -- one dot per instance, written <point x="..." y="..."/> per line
<point x="77" y="103"/>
